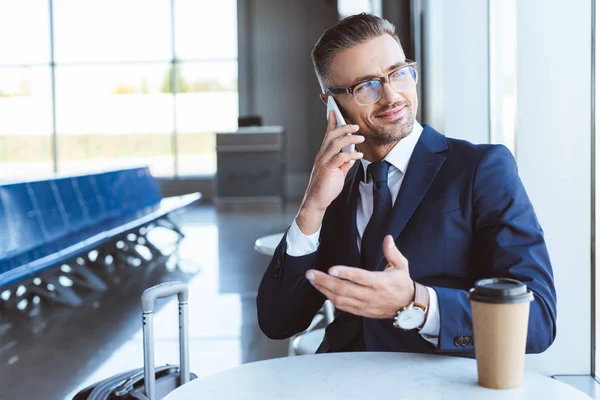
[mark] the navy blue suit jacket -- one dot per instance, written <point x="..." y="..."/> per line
<point x="462" y="214"/>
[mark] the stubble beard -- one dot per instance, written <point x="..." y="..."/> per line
<point x="393" y="132"/>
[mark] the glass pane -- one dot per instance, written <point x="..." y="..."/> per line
<point x="351" y="7"/>
<point x="115" y="116"/>
<point x="503" y="72"/>
<point x="112" y="30"/>
<point x="206" y="29"/>
<point x="25" y="123"/>
<point x="596" y="189"/>
<point x="207" y="102"/>
<point x="24" y="32"/>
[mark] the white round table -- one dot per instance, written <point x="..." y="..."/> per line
<point x="362" y="376"/>
<point x="267" y="244"/>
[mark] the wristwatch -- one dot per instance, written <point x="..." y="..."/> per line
<point x="413" y="315"/>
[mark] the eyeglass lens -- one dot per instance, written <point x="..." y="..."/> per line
<point x="402" y="79"/>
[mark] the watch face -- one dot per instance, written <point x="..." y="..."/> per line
<point x="411" y="318"/>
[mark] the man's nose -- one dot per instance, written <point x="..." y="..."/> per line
<point x="389" y="95"/>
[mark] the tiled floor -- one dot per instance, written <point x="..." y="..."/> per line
<point x="57" y="351"/>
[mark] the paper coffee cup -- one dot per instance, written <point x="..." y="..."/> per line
<point x="500" y="308"/>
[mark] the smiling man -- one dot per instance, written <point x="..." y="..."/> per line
<point x="396" y="239"/>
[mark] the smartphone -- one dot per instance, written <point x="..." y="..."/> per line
<point x="332" y="106"/>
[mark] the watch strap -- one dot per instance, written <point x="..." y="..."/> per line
<point x="421" y="295"/>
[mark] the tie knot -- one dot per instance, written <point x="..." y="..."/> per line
<point x="378" y="171"/>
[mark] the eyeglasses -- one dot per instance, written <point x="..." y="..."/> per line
<point x="369" y="92"/>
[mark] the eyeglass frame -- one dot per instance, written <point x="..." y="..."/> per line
<point x="382" y="79"/>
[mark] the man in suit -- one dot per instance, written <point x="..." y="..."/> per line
<point x="397" y="232"/>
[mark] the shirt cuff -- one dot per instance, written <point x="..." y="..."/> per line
<point x="431" y="329"/>
<point x="298" y="244"/>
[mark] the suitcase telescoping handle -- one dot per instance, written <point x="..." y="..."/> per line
<point x="148" y="298"/>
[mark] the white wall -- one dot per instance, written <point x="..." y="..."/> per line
<point x="554" y="156"/>
<point x="455" y="68"/>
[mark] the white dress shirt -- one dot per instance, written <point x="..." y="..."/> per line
<point x="299" y="244"/>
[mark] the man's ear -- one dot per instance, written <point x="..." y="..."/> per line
<point x="323" y="97"/>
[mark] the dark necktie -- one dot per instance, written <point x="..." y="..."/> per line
<point x="372" y="239"/>
<point x="346" y="331"/>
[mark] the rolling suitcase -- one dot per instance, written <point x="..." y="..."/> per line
<point x="149" y="383"/>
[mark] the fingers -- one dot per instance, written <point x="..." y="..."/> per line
<point x="331" y="146"/>
<point x="334" y="288"/>
<point x="340" y="131"/>
<point x="334" y="131"/>
<point x="344" y="303"/>
<point x="392" y="254"/>
<point x="356" y="275"/>
<point x="335" y="146"/>
<point x="341" y="158"/>
<point x="346" y="167"/>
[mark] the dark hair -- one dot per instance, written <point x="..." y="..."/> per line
<point x="347" y="33"/>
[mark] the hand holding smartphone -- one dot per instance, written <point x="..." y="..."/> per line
<point x="339" y="120"/>
<point x="336" y="157"/>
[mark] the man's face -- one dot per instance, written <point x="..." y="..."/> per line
<point x="392" y="117"/>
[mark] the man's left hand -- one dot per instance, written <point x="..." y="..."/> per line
<point x="371" y="294"/>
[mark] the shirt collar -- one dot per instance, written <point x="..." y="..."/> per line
<point x="400" y="154"/>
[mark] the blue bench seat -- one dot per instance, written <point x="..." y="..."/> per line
<point x="48" y="222"/>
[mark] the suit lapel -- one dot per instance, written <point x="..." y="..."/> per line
<point x="422" y="169"/>
<point x="348" y="214"/>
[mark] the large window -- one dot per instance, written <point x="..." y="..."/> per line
<point x="113" y="83"/>
<point x="351" y="7"/>
<point x="502" y="38"/>
<point x="596" y="191"/>
<point x="25" y="89"/>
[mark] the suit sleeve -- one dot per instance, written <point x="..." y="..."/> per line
<point x="508" y="242"/>
<point x="286" y="301"/>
